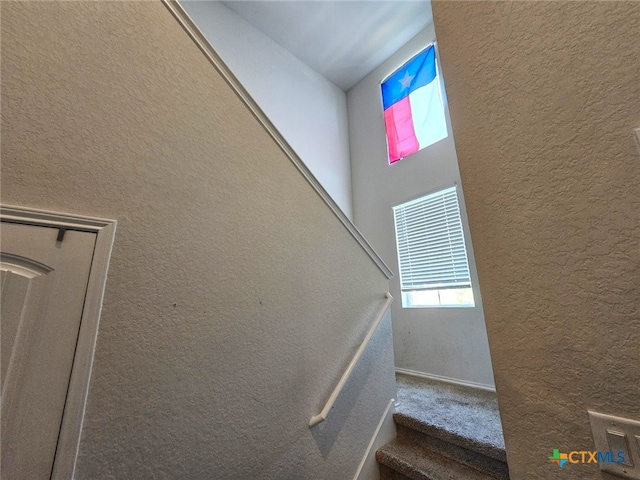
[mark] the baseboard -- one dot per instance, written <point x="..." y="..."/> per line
<point x="368" y="469"/>
<point x="440" y="378"/>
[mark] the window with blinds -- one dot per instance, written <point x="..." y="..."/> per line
<point x="434" y="270"/>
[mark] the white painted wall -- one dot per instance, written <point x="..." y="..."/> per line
<point x="235" y="297"/>
<point x="308" y="110"/>
<point x="448" y="342"/>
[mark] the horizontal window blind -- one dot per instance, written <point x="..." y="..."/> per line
<point x="431" y="249"/>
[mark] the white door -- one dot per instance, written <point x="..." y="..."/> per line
<point x="44" y="282"/>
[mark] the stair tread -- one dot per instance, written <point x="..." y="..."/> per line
<point x="492" y="451"/>
<point x="412" y="461"/>
<point x="464" y="416"/>
<point x="432" y="444"/>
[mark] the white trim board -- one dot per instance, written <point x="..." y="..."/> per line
<point x="71" y="427"/>
<point x="368" y="462"/>
<point x="440" y="378"/>
<point x="214" y="58"/>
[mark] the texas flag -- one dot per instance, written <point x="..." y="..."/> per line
<point x="413" y="107"/>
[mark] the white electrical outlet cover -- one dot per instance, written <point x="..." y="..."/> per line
<point x="600" y="423"/>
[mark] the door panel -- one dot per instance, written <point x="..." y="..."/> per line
<point x="43" y="289"/>
<point x="14" y="294"/>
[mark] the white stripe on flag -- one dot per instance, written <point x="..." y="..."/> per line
<point x="428" y="114"/>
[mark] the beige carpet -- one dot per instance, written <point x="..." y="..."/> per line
<point x="466" y="412"/>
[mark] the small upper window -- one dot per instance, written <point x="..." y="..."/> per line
<point x="413" y="107"/>
<point x="432" y="257"/>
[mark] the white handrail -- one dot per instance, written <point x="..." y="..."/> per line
<point x="321" y="417"/>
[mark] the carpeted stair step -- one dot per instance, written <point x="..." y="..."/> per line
<point x="402" y="459"/>
<point x="484" y="457"/>
<point x="454" y="421"/>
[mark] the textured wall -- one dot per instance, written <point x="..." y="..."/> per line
<point x="306" y="108"/>
<point x="234" y="296"/>
<point x="543" y="99"/>
<point x="449" y="342"/>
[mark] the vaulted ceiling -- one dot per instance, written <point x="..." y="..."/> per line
<point x="342" y="40"/>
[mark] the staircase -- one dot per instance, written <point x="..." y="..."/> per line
<point x="444" y="432"/>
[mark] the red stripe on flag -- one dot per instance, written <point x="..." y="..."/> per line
<point x="401" y="137"/>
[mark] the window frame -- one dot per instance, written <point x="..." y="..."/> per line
<point x="455" y="231"/>
<point x="441" y="97"/>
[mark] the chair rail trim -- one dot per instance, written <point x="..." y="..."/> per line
<point x="214" y="58"/>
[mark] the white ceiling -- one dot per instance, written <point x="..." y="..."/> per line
<point x="342" y="40"/>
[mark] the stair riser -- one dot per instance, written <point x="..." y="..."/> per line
<point x="489" y="465"/>
<point x="388" y="474"/>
